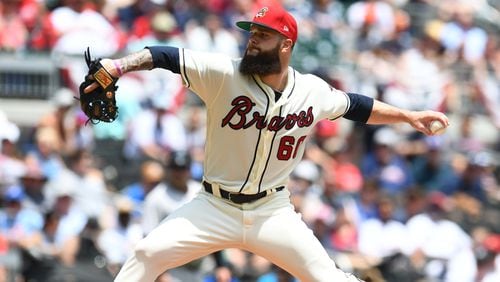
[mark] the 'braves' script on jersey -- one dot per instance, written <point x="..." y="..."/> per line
<point x="242" y="105"/>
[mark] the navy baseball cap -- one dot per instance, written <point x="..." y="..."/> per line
<point x="275" y="17"/>
<point x="179" y="160"/>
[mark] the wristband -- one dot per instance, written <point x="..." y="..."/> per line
<point x="118" y="67"/>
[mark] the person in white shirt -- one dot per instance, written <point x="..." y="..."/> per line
<point x="211" y="36"/>
<point x="178" y="189"/>
<point x="442" y="246"/>
<point x="155" y="132"/>
<point x="117" y="242"/>
<point x="383" y="236"/>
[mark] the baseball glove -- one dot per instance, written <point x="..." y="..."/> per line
<point x="99" y="104"/>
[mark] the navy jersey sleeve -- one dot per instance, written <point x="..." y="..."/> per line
<point x="165" y="57"/>
<point x="360" y="107"/>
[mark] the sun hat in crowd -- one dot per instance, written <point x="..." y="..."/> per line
<point x="307" y="170"/>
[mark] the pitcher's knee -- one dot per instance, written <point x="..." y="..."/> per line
<point x="144" y="252"/>
<point x="151" y="259"/>
<point x="323" y="270"/>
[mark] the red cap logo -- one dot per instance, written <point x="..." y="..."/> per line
<point x="274" y="17"/>
<point x="262" y="12"/>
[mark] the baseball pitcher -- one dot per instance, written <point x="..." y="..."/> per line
<point x="260" y="112"/>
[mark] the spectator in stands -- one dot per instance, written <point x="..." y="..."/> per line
<point x="211" y="36"/>
<point x="377" y="69"/>
<point x="239" y="10"/>
<point x="420" y="12"/>
<point x="67" y="221"/>
<point x="42" y="35"/>
<point x="128" y="13"/>
<point x="155" y="132"/>
<point x="90" y="262"/>
<point x="462" y="37"/>
<point x="341" y="178"/>
<point x="470" y="181"/>
<point x="328" y="131"/>
<point x="418" y="82"/>
<point x="62" y="258"/>
<point x="83" y="136"/>
<point x="430" y="169"/>
<point x="80" y="23"/>
<point x="92" y="198"/>
<point x="33" y="183"/>
<point x="493" y="275"/>
<point x="467" y="140"/>
<point x="487" y="82"/>
<point x="118" y="241"/>
<point x="47" y="152"/>
<point x="383" y="240"/>
<point x="41" y="262"/>
<point x="163" y="30"/>
<point x="13" y="31"/>
<point x="178" y="189"/>
<point x="190" y="10"/>
<point x="64" y="14"/>
<point x="414" y="202"/>
<point x="322" y="30"/>
<point x="246" y="266"/>
<point x="20" y="226"/>
<point x="382" y="236"/>
<point x="363" y="206"/>
<point x="344" y="237"/>
<point x="487" y="166"/>
<point x="305" y="189"/>
<point x="151" y="175"/>
<point x="385" y="165"/>
<point x="347" y="177"/>
<point x="64" y="120"/>
<point x="327" y="15"/>
<point x="316" y="195"/>
<point x="373" y="20"/>
<point x="322" y="224"/>
<point x="439" y="247"/>
<point x="12" y="166"/>
<point x="277" y="274"/>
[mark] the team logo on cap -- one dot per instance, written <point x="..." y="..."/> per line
<point x="262" y="12"/>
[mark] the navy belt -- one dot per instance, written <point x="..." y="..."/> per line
<point x="239" y="198"/>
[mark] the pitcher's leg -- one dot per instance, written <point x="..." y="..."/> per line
<point x="285" y="240"/>
<point x="162" y="249"/>
<point x="193" y="231"/>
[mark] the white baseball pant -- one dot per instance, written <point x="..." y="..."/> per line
<point x="268" y="227"/>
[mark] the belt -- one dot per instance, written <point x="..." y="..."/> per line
<point x="239" y="198"/>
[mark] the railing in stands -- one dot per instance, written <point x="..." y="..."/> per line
<point x="27" y="77"/>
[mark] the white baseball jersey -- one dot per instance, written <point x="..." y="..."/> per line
<point x="253" y="143"/>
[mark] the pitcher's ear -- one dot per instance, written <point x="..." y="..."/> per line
<point x="287" y="44"/>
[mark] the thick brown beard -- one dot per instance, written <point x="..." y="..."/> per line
<point x="264" y="63"/>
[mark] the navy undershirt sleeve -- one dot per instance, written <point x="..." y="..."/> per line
<point x="165" y="57"/>
<point x="360" y="107"/>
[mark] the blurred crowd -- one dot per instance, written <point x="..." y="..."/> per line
<point x="387" y="202"/>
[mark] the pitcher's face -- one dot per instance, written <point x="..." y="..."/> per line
<point x="262" y="56"/>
